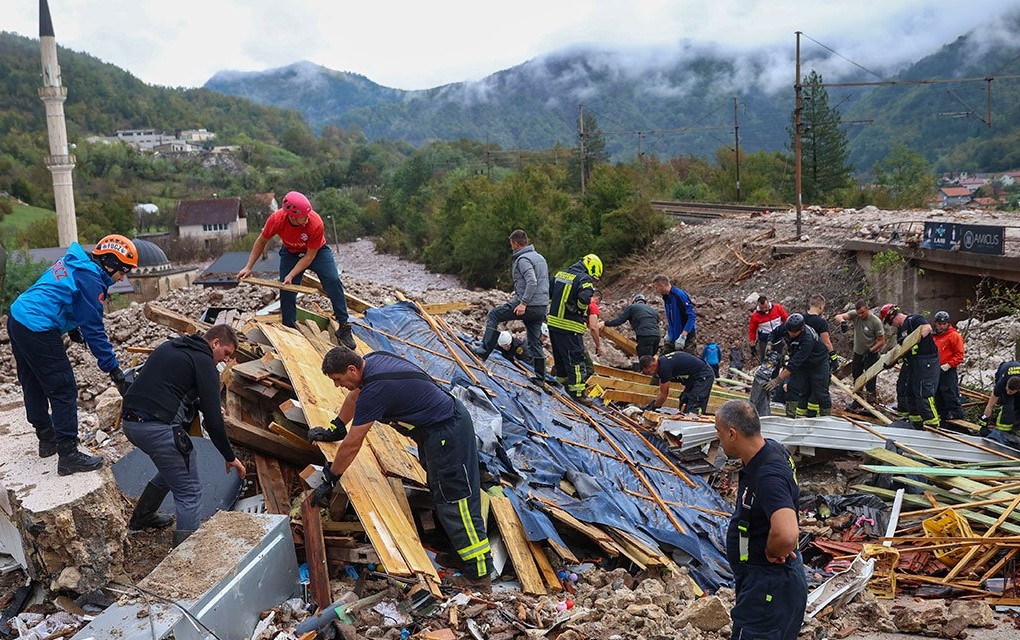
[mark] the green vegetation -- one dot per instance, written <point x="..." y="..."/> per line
<point x="824" y="145"/>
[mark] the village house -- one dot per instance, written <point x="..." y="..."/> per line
<point x="211" y="220"/>
<point x="954" y="196"/>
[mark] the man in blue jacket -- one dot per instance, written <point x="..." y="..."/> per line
<point x="681" y="329"/>
<point x="67" y="298"/>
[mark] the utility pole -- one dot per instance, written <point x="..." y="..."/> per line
<point x="796" y="140"/>
<point x="580" y="142"/>
<point x="736" y="150"/>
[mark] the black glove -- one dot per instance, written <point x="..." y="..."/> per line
<point x="667" y="347"/>
<point x="328" y="434"/>
<point x="76" y="336"/>
<point x="120" y="380"/>
<point x="834" y="358"/>
<point x="324" y="492"/>
<point x="650" y="406"/>
<point x="844" y="326"/>
<point x="772" y="385"/>
<point x="888" y="365"/>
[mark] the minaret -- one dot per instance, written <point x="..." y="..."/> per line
<point x="60" y="162"/>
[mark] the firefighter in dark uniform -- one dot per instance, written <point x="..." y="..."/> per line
<point x="644" y="321"/>
<point x="761" y="541"/>
<point x="919" y="375"/>
<point x="1006" y="394"/>
<point x="387" y="388"/>
<point x="806" y="373"/>
<point x="679" y="366"/>
<point x="513" y="349"/>
<point x="570" y="292"/>
<point x="814" y="319"/>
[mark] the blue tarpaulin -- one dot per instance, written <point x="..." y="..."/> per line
<point x="541" y="444"/>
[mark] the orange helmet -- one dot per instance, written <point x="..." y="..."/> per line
<point x="118" y="249"/>
<point x="888" y="312"/>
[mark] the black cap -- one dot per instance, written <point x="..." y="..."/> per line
<point x="45" y="22"/>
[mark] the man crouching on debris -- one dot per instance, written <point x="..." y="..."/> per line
<point x="695" y="374"/>
<point x="179" y="376"/>
<point x="761" y="542"/>
<point x="387" y="388"/>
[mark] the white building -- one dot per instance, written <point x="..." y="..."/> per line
<point x="215" y="219"/>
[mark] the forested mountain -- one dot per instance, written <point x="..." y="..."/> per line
<point x="680" y="101"/>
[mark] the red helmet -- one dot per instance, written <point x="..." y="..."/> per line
<point x="296" y="204"/>
<point x="119" y="249"/>
<point x="888" y="312"/>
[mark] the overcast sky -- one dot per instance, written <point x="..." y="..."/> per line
<point x="410" y="44"/>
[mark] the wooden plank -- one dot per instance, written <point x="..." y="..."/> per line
<point x="625" y="344"/>
<point x="176" y="321"/>
<point x="269" y="443"/>
<point x="292" y="437"/>
<point x="446" y="307"/>
<point x="955" y="571"/>
<point x="401" y="497"/>
<point x="362" y="554"/>
<point x="391" y="448"/>
<point x="315" y="553"/>
<point x="596" y="535"/>
<point x="545" y="568"/>
<point x="292" y="410"/>
<point x="276" y="284"/>
<point x="274" y="490"/>
<point x="888" y="358"/>
<point x="354" y="303"/>
<point x="320" y="398"/>
<point x="621" y="374"/>
<point x="884" y="419"/>
<point x="639" y="399"/>
<point x="517" y="544"/>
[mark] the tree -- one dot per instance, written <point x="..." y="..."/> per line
<point x="594" y="150"/>
<point x="824" y="146"/>
<point x="903" y="178"/>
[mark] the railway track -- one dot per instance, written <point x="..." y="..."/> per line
<point x="710" y="210"/>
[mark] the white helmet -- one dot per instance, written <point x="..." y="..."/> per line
<point x="505" y="339"/>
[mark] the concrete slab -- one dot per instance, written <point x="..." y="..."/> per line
<point x="233" y="568"/>
<point x="66" y="531"/>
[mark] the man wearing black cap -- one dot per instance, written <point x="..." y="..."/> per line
<point x="644" y="321"/>
<point x="806" y="373"/>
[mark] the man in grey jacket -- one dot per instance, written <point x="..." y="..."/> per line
<point x="529" y="303"/>
<point x="645" y="323"/>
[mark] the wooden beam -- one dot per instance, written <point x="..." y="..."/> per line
<point x="269" y="443"/>
<point x="315" y="553"/>
<point x="625" y="344"/>
<point x="178" y="322"/>
<point x="517" y="544"/>
<point x="276" y="284"/>
<point x="861" y="401"/>
<point x="888" y="358"/>
<point x="274" y="490"/>
<point x="446" y="307"/>
<point x="292" y="437"/>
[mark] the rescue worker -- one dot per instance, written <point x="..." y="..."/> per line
<point x="387" y="388"/>
<point x="806" y="373"/>
<point x="692" y="371"/>
<point x="644" y="321"/>
<point x="67" y="298"/>
<point x="814" y="319"/>
<point x="1005" y="394"/>
<point x="681" y="320"/>
<point x="529" y="302"/>
<point x="764" y="318"/>
<point x="570" y="292"/>
<point x="303" y="249"/>
<point x="950" y="345"/>
<point x="712" y="355"/>
<point x="869" y="340"/>
<point x="513" y="349"/>
<point x="179" y="377"/>
<point x="594" y="326"/>
<point x="761" y="541"/>
<point x="919" y="374"/>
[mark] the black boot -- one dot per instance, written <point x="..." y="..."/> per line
<point x="346" y="336"/>
<point x="144" y="516"/>
<point x="481" y="352"/>
<point x="180" y="535"/>
<point x="71" y="460"/>
<point x="47" y="445"/>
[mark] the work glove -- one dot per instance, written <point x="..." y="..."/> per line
<point x="76" y="336"/>
<point x="889" y="365"/>
<point x="945" y="367"/>
<point x="834" y="358"/>
<point x="844" y="326"/>
<point x="681" y="341"/>
<point x="982" y="422"/>
<point x="324" y="492"/>
<point x="772" y="385"/>
<point x="335" y="433"/>
<point x="119" y="379"/>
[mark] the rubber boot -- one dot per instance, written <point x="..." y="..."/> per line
<point x="346" y="335"/>
<point x="791" y="410"/>
<point x="47" y="445"/>
<point x="180" y="535"/>
<point x="71" y="460"/>
<point x="144" y="516"/>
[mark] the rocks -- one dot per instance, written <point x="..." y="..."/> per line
<point x="108" y="406"/>
<point x="707" y="614"/>
<point x="923" y="616"/>
<point x="975" y="612"/>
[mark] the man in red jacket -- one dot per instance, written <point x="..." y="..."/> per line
<point x="950" y="345"/>
<point x="764" y="318"/>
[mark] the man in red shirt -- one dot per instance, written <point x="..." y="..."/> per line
<point x="950" y="346"/>
<point x="304" y="247"/>
<point x="764" y="318"/>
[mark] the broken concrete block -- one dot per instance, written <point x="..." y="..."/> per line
<point x="976" y="612"/>
<point x="708" y="614"/>
<point x="67" y="532"/>
<point x="108" y="405"/>
<point x="925" y="616"/>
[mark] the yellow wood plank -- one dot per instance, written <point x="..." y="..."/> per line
<point x="445" y="307"/>
<point x="401" y="496"/>
<point x="276" y="284"/>
<point x="292" y="437"/>
<point x="545" y="567"/>
<point x="391" y="448"/>
<point x="517" y="544"/>
<point x="595" y="534"/>
<point x="627" y="345"/>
